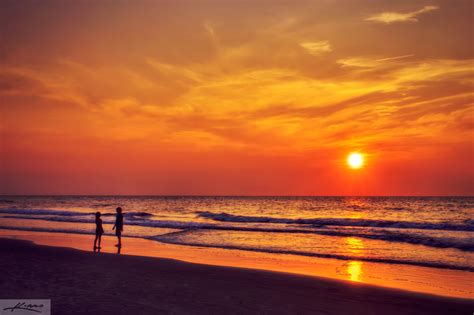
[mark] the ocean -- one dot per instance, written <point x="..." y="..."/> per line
<point x="435" y="232"/>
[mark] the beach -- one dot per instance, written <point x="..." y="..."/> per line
<point x="419" y="244"/>
<point x="79" y="282"/>
<point x="191" y="255"/>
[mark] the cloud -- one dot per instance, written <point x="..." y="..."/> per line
<point x="317" y="48"/>
<point x="396" y="57"/>
<point x="363" y="62"/>
<point x="12" y="82"/>
<point x="238" y="106"/>
<point x="397" y="17"/>
<point x="210" y="29"/>
<point x="173" y="72"/>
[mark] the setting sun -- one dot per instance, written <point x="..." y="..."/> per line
<point x="355" y="160"/>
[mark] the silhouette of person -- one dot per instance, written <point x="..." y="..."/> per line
<point x="99" y="230"/>
<point x="118" y="226"/>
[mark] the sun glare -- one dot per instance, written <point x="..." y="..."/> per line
<point x="355" y="160"/>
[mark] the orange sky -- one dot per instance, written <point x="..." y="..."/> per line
<point x="236" y="97"/>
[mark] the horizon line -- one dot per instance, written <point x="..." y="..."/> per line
<point x="191" y="195"/>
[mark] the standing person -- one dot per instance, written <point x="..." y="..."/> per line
<point x="99" y="230"/>
<point x="118" y="226"/>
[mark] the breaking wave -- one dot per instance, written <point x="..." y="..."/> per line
<point x="166" y="239"/>
<point x="318" y="222"/>
<point x="41" y="212"/>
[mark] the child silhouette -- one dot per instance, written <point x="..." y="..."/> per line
<point x="99" y="230"/>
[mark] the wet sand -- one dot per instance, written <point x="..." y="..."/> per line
<point x="80" y="282"/>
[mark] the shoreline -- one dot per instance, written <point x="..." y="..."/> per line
<point x="104" y="283"/>
<point x="444" y="283"/>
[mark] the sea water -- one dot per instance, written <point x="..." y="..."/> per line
<point x="436" y="232"/>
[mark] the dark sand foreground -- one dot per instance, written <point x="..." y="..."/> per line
<point x="80" y="282"/>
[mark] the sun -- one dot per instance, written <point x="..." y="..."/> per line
<point x="355" y="160"/>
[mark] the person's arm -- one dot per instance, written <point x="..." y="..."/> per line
<point x="115" y="225"/>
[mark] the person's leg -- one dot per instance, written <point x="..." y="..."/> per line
<point x="119" y="240"/>
<point x="100" y="238"/>
<point x="95" y="241"/>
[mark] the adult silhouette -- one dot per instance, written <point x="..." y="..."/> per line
<point x="118" y="226"/>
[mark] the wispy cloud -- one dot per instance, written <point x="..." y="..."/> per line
<point x="399" y="17"/>
<point x="364" y="62"/>
<point x="396" y="58"/>
<point x="317" y="48"/>
<point x="209" y="28"/>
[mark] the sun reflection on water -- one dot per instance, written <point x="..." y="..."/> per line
<point x="354" y="268"/>
<point x="355" y="245"/>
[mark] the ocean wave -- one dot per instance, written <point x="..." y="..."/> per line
<point x="382" y="235"/>
<point x="396" y="208"/>
<point x="167" y="238"/>
<point x="102" y="205"/>
<point x="139" y="214"/>
<point x="318" y="222"/>
<point x="40" y="212"/>
<point x="36" y="212"/>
